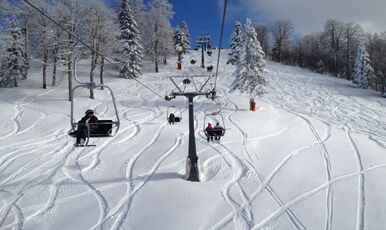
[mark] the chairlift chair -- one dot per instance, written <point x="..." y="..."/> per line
<point x="173" y="110"/>
<point x="217" y="118"/>
<point x="105" y="128"/>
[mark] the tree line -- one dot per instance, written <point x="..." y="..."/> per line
<point x="332" y="50"/>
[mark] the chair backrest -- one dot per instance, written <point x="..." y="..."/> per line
<point x="104" y="129"/>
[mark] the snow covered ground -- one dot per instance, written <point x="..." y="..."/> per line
<point x="312" y="157"/>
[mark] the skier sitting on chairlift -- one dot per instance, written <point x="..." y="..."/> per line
<point x="209" y="132"/>
<point x="82" y="132"/>
<point x="218" y="129"/>
<point x="172" y="119"/>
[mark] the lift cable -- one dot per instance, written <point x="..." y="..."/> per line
<point x="86" y="45"/>
<point x="221" y="38"/>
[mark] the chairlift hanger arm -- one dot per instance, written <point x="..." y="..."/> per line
<point x="195" y="86"/>
<point x="171" y="79"/>
<point x="206" y="82"/>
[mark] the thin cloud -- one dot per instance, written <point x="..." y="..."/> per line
<point x="310" y="15"/>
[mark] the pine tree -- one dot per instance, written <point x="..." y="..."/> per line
<point x="178" y="43"/>
<point x="363" y="72"/>
<point x="250" y="66"/>
<point x="320" y="67"/>
<point x="237" y="39"/>
<point x="138" y="8"/>
<point x="185" y="38"/>
<point x="14" y="65"/>
<point x="131" y="51"/>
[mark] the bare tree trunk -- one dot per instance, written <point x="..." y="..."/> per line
<point x="93" y="66"/>
<point x="14" y="78"/>
<point x="348" y="64"/>
<point x="69" y="65"/>
<point x="156" y="56"/>
<point x="69" y="74"/>
<point x="54" y="67"/>
<point x="26" y="37"/>
<point x="101" y="70"/>
<point x="45" y="59"/>
<point x="94" y="62"/>
<point x="156" y="65"/>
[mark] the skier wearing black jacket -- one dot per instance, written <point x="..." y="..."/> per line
<point x="82" y="131"/>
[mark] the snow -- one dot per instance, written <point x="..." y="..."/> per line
<point x="312" y="157"/>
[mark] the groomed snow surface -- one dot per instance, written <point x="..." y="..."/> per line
<point x="312" y="157"/>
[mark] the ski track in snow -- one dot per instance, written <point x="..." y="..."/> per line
<point x="361" y="197"/>
<point x="311" y="193"/>
<point x="360" y="220"/>
<point x="292" y="217"/>
<point x="251" y="160"/>
<point x="242" y="217"/>
<point x="124" y="214"/>
<point x="267" y="180"/>
<point x="73" y="172"/>
<point x="24" y="101"/>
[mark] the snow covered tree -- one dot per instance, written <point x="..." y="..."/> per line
<point x="185" y="39"/>
<point x="363" y="71"/>
<point x="352" y="34"/>
<point x="282" y="33"/>
<point x="98" y="29"/>
<point x="334" y="34"/>
<point x="250" y="66"/>
<point x="42" y="35"/>
<point x="178" y="43"/>
<point x="167" y="48"/>
<point x="70" y="14"/>
<point x="160" y="32"/>
<point x="107" y="41"/>
<point x="4" y="10"/>
<point x="377" y="50"/>
<point x="131" y="49"/>
<point x="138" y="8"/>
<point x="14" y="65"/>
<point x="262" y="31"/>
<point x="236" y="45"/>
<point x="182" y="37"/>
<point x="320" y="67"/>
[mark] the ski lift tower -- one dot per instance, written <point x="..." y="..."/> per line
<point x="192" y="173"/>
<point x="203" y="42"/>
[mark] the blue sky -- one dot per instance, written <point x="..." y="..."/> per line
<point x="202" y="16"/>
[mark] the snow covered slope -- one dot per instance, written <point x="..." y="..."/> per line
<point x="312" y="157"/>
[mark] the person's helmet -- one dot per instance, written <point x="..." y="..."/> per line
<point x="218" y="123"/>
<point x="89" y="111"/>
<point x="209" y="124"/>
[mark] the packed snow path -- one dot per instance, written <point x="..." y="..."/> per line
<point x="312" y="157"/>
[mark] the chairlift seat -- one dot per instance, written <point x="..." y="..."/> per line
<point x="176" y="119"/>
<point x="103" y="130"/>
<point x="215" y="132"/>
